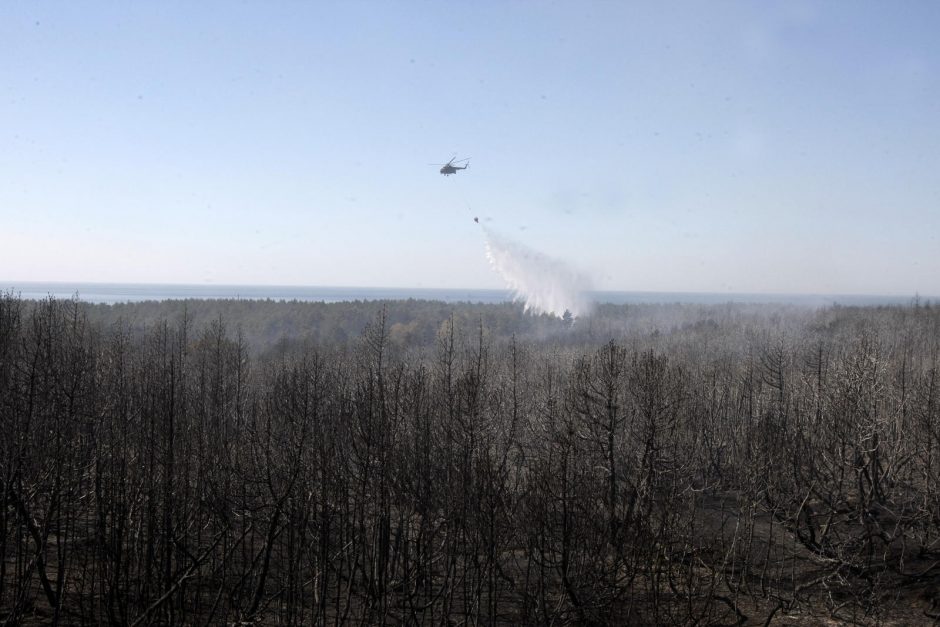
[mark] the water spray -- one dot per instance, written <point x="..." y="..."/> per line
<point x="542" y="283"/>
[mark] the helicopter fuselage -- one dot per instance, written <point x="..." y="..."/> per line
<point x="447" y="170"/>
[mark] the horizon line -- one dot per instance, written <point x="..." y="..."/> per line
<point x="14" y="285"/>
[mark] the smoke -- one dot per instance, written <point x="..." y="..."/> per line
<point x="544" y="284"/>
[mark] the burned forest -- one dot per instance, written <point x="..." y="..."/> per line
<point x="425" y="464"/>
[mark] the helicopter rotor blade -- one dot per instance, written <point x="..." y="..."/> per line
<point x="451" y="162"/>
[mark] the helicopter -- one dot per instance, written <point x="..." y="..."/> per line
<point x="449" y="168"/>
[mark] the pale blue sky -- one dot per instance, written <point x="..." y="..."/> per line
<point x="707" y="146"/>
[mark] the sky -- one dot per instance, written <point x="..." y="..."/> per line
<point x="771" y="147"/>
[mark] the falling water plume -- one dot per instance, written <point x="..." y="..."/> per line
<point x="542" y="283"/>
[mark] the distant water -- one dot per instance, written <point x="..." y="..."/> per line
<point x="110" y="293"/>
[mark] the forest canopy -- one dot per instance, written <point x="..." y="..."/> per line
<point x="416" y="462"/>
